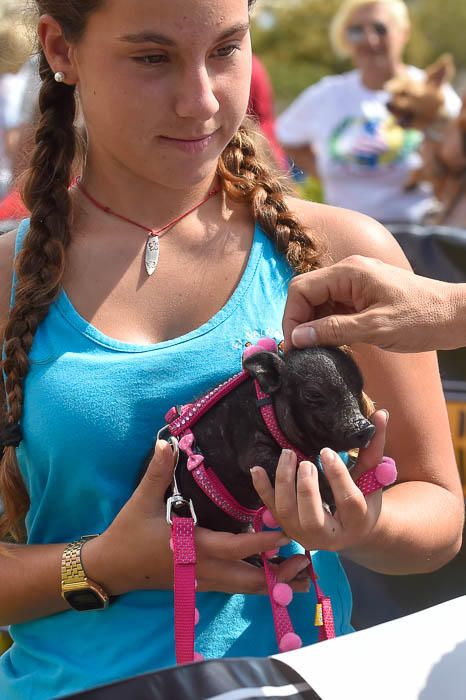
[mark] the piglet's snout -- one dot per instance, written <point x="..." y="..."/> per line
<point x="362" y="434"/>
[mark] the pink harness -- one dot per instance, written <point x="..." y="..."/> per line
<point x="179" y="424"/>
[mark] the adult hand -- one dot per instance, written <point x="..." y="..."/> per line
<point x="297" y="505"/>
<point x="362" y="300"/>
<point x="134" y="552"/>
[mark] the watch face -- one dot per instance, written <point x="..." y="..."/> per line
<point x="84" y="600"/>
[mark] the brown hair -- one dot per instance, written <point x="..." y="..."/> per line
<point x="41" y="262"/>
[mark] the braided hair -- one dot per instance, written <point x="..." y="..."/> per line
<point x="40" y="265"/>
<point x="245" y="175"/>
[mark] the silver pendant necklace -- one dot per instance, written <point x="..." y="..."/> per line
<point x="152" y="255"/>
<point x="152" y="249"/>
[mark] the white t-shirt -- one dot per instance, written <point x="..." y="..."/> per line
<point x="362" y="155"/>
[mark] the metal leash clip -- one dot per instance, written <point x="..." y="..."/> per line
<point x="176" y="501"/>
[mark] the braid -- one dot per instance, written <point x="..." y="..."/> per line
<point x="246" y="175"/>
<point x="39" y="268"/>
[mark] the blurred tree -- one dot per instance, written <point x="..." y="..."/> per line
<point x="442" y="25"/>
<point x="292" y="40"/>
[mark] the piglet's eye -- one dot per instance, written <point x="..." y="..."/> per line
<point x="313" y="397"/>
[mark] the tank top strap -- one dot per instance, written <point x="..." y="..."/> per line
<point x="20" y="236"/>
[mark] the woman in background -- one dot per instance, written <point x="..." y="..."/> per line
<point x="340" y="130"/>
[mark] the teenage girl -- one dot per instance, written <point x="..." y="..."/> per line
<point x="96" y="350"/>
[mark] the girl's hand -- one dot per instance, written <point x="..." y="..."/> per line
<point x="134" y="552"/>
<point x="297" y="505"/>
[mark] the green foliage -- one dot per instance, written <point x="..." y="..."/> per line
<point x="311" y="189"/>
<point x="297" y="51"/>
<point x="443" y="25"/>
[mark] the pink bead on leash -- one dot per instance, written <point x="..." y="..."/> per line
<point x="384" y="474"/>
<point x="290" y="642"/>
<point x="282" y="594"/>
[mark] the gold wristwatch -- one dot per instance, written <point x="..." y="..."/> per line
<point x="79" y="591"/>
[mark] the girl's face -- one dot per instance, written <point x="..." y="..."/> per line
<point x="164" y="85"/>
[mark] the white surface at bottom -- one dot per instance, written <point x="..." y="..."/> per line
<point x="418" y="657"/>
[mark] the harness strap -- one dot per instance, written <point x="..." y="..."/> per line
<point x="270" y="420"/>
<point x="384" y="474"/>
<point x="209" y="482"/>
<point x="190" y="413"/>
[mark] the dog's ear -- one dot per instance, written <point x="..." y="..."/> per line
<point x="442" y="71"/>
<point x="267" y="368"/>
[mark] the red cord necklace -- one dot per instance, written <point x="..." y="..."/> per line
<point x="152" y="246"/>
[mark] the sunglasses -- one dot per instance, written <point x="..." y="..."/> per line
<point x="356" y="32"/>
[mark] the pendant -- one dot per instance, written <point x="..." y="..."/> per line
<point x="152" y="254"/>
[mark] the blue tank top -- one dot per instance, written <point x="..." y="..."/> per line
<point x="92" y="408"/>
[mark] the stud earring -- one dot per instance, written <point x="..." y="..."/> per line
<point x="59" y="77"/>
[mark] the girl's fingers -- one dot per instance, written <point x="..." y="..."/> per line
<point x="242" y="577"/>
<point x="230" y="577"/>
<point x="264" y="488"/>
<point x="285" y="487"/>
<point x="150" y="493"/>
<point x="292" y="567"/>
<point x="225" y="546"/>
<point x="311" y="514"/>
<point x="372" y="455"/>
<point x="350" y="503"/>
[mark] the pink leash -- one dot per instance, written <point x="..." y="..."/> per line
<point x="184" y="559"/>
<point x="183" y="542"/>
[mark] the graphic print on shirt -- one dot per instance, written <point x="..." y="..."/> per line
<point x="372" y="142"/>
<point x="252" y="336"/>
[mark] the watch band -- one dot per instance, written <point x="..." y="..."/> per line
<point x="74" y="577"/>
<point x="72" y="570"/>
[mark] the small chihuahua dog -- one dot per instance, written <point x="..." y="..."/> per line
<point x="420" y="104"/>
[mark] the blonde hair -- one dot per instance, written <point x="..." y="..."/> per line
<point x="340" y="21"/>
<point x="16" y="45"/>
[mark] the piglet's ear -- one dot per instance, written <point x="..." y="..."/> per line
<point x="267" y="368"/>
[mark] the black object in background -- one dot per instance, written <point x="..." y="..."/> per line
<point x="211" y="679"/>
